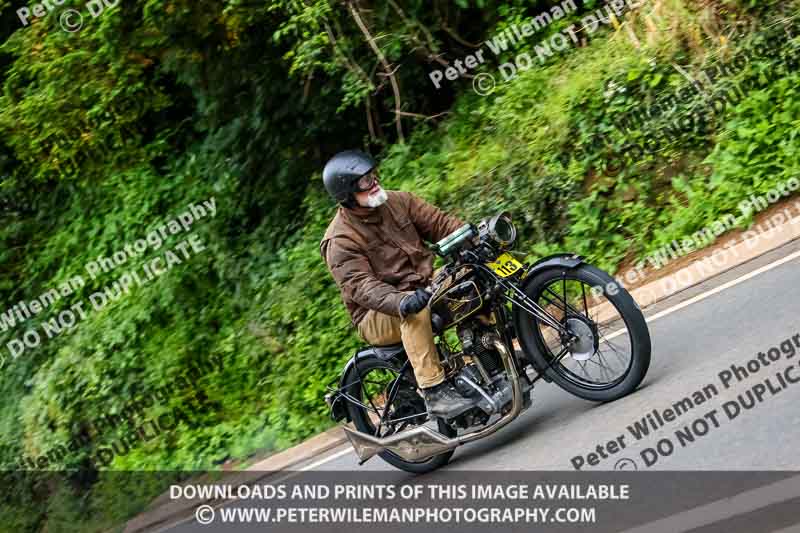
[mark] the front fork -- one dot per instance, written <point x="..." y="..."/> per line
<point x="511" y="293"/>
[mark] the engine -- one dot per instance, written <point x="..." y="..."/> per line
<point x="476" y="343"/>
<point x="483" y="375"/>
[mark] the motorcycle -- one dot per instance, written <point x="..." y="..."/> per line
<point x="500" y="326"/>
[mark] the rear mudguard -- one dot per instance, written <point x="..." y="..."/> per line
<point x="338" y="403"/>
<point x="545" y="263"/>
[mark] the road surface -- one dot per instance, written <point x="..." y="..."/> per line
<point x="691" y="347"/>
<point x="698" y="337"/>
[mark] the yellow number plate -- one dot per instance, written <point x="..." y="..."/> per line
<point x="505" y="265"/>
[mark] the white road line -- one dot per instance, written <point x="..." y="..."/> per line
<point x="312" y="466"/>
<point x="712" y="292"/>
<point x="726" y="508"/>
<point x="724" y="286"/>
<point x="791" y="529"/>
<point x="338" y="454"/>
<point x="688" y="514"/>
<point x="651" y="319"/>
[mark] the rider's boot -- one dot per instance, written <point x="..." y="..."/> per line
<point x="444" y="401"/>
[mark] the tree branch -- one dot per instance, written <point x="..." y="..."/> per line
<point x="456" y="37"/>
<point x="426" y="117"/>
<point x="370" y="125"/>
<point x="430" y="49"/>
<point x="351" y="64"/>
<point x="386" y="67"/>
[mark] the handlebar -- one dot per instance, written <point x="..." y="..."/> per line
<point x="453" y="242"/>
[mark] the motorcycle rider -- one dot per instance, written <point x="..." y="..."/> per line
<point x="374" y="250"/>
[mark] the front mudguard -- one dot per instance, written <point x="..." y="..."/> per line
<point x="551" y="261"/>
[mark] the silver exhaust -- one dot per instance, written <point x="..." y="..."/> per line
<point x="414" y="445"/>
<point x="422" y="442"/>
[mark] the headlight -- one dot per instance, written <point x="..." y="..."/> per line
<point x="502" y="230"/>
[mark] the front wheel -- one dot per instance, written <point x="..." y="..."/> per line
<point x="605" y="353"/>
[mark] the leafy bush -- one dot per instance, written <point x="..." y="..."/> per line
<point x="111" y="131"/>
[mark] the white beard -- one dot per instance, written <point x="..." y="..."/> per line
<point x="377" y="199"/>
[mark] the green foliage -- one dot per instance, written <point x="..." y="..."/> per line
<point x="109" y="132"/>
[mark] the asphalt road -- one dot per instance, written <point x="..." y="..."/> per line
<point x="691" y="346"/>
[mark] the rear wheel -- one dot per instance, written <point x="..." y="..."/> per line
<point x="610" y="352"/>
<point x="379" y="418"/>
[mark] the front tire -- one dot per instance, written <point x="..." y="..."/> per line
<point x="542" y="344"/>
<point x="412" y="402"/>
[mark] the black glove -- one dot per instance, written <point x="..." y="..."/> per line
<point x="412" y="304"/>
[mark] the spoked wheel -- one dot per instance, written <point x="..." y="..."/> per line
<point x="378" y="416"/>
<point x="605" y="352"/>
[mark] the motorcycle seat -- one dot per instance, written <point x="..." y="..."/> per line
<point x="390" y="350"/>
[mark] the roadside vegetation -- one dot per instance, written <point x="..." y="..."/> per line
<point x="109" y="132"/>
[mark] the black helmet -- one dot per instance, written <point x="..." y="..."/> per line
<point x="343" y="171"/>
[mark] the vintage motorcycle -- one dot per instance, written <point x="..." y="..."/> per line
<point x="501" y="326"/>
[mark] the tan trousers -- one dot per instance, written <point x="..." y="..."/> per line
<point x="415" y="332"/>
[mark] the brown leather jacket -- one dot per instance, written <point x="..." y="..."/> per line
<point x="376" y="255"/>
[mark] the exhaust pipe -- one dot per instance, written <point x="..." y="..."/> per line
<point x="422" y="442"/>
<point x="414" y="445"/>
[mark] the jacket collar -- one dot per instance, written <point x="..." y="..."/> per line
<point x="369" y="215"/>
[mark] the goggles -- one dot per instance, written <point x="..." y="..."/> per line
<point x="367" y="181"/>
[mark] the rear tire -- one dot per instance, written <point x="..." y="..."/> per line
<point x="362" y="422"/>
<point x="536" y="348"/>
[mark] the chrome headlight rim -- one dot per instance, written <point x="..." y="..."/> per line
<point x="502" y="241"/>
